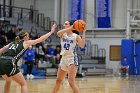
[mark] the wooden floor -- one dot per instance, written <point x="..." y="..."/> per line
<point x="94" y="84"/>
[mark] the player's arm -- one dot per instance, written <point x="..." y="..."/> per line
<point x="81" y="41"/>
<point x="41" y="39"/>
<point x="61" y="32"/>
<point x="4" y="49"/>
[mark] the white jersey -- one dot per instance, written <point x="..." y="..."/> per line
<point x="68" y="45"/>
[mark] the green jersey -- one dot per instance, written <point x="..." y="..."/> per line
<point x="15" y="50"/>
<point x="10" y="57"/>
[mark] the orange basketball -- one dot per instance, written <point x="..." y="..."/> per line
<point x="79" y="25"/>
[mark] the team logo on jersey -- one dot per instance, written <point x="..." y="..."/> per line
<point x="13" y="46"/>
<point x="67" y="41"/>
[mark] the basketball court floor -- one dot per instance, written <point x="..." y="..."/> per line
<point x="87" y="84"/>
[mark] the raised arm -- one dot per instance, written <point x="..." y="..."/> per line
<point x="41" y="39"/>
<point x="81" y="41"/>
<point x="61" y="32"/>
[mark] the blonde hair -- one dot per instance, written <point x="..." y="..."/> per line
<point x="22" y="34"/>
<point x="17" y="39"/>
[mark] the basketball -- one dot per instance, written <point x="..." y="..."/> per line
<point x="79" y="25"/>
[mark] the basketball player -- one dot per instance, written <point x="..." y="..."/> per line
<point x="11" y="53"/>
<point x="69" y="60"/>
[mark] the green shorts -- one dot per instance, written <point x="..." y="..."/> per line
<point x="8" y="67"/>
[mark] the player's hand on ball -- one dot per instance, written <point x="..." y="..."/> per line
<point x="85" y="28"/>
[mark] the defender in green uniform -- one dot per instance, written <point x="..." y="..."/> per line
<point x="10" y="57"/>
<point x="11" y="53"/>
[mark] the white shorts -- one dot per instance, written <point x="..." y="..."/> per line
<point x="66" y="61"/>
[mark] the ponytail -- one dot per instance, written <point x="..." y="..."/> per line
<point x="17" y="39"/>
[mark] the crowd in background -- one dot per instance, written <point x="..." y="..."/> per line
<point x="42" y="51"/>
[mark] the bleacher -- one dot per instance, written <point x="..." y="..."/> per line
<point x="91" y="62"/>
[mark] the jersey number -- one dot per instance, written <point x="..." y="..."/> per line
<point x="66" y="46"/>
<point x="13" y="46"/>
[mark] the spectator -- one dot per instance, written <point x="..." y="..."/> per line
<point x="11" y="34"/>
<point x="30" y="55"/>
<point x="45" y="49"/>
<point x="2" y="31"/>
<point x="57" y="54"/>
<point x="3" y="40"/>
<point x="32" y="35"/>
<point x="124" y="66"/>
<point x="40" y="53"/>
<point x="51" y="55"/>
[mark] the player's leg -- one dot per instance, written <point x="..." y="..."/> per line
<point x="60" y="76"/>
<point x="21" y="81"/>
<point x="7" y="83"/>
<point x="30" y="72"/>
<point x="72" y="70"/>
<point x="28" y="69"/>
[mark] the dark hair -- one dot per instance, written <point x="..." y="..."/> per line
<point x="70" y="22"/>
<point x="74" y="31"/>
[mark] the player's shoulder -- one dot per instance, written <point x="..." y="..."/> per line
<point x="75" y="35"/>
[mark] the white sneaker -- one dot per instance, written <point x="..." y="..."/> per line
<point x="31" y="76"/>
<point x="28" y="76"/>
